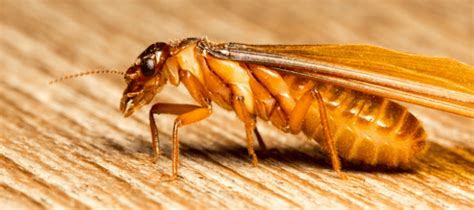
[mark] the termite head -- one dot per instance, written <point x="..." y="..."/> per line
<point x="144" y="78"/>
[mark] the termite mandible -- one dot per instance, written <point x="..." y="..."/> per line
<point x="339" y="95"/>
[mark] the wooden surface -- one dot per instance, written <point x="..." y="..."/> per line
<point x="67" y="145"/>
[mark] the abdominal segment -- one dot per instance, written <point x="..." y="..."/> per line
<point x="367" y="129"/>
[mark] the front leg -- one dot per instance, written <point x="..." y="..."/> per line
<point x="187" y="114"/>
<point x="164" y="108"/>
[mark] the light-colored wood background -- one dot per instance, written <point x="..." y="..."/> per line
<point x="67" y="145"/>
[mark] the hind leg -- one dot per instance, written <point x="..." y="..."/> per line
<point x="297" y="118"/>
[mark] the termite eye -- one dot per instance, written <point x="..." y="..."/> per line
<point x="148" y="67"/>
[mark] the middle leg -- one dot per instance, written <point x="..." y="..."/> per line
<point x="250" y="126"/>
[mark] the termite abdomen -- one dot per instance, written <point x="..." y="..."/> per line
<point x="367" y="128"/>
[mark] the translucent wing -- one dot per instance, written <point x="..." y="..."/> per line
<point x="439" y="83"/>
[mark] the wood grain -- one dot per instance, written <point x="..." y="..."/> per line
<point x="67" y="146"/>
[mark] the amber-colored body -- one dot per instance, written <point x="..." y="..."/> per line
<point x="352" y="125"/>
<point x="366" y="128"/>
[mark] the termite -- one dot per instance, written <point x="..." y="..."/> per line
<point x="339" y="95"/>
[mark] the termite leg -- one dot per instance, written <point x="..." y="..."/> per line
<point x="329" y="140"/>
<point x="261" y="143"/>
<point x="164" y="108"/>
<point x="182" y="120"/>
<point x="155" y="139"/>
<point x="296" y="120"/>
<point x="188" y="114"/>
<point x="250" y="126"/>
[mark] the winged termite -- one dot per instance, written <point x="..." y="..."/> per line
<point x="338" y="95"/>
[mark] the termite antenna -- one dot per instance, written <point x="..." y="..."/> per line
<point x="80" y="74"/>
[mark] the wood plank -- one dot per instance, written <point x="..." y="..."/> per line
<point x="67" y="145"/>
